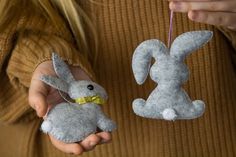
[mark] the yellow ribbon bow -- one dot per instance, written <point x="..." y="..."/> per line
<point x="95" y="99"/>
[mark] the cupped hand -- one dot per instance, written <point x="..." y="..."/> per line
<point x="41" y="96"/>
<point x="215" y="12"/>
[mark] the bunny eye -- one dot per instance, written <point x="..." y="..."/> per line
<point x="90" y="87"/>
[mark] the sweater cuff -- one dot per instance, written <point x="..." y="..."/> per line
<point x="33" y="50"/>
<point x="230" y="34"/>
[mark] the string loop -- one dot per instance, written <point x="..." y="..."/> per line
<point x="170" y="29"/>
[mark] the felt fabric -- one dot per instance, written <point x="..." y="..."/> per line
<point x="168" y="100"/>
<point x="121" y="26"/>
<point x="72" y="122"/>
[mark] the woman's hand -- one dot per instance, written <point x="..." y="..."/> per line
<point x="215" y="12"/>
<point x="42" y="95"/>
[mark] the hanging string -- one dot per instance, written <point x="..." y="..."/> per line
<point x="64" y="97"/>
<point x="170" y="28"/>
<point x="51" y="106"/>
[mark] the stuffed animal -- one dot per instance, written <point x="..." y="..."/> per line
<point x="72" y="122"/>
<point x="168" y="100"/>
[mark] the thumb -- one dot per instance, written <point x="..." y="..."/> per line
<point x="38" y="97"/>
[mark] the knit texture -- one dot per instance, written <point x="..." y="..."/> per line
<point x="121" y="26"/>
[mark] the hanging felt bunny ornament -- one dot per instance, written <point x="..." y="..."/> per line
<point x="72" y="122"/>
<point x="168" y="100"/>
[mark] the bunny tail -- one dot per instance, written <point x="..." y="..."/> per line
<point x="169" y="114"/>
<point x="46" y="126"/>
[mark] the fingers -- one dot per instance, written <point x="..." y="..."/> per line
<point x="73" y="148"/>
<point x="38" y="91"/>
<point x="221" y="6"/>
<point x="86" y="145"/>
<point x="214" y="18"/>
<point x="37" y="97"/>
<point x="105" y="137"/>
<point x="214" y="12"/>
<point x="90" y="142"/>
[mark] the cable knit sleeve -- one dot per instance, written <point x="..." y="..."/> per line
<point x="231" y="36"/>
<point x="35" y="49"/>
<point x="29" y="52"/>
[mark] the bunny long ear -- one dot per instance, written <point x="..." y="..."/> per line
<point x="188" y="42"/>
<point x="142" y="56"/>
<point x="55" y="83"/>
<point x="62" y="69"/>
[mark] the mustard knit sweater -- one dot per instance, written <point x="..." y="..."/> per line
<point x="121" y="26"/>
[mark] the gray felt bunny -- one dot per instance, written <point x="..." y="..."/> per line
<point x="72" y="122"/>
<point x="168" y="100"/>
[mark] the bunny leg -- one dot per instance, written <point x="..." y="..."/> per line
<point x="105" y="123"/>
<point x="139" y="107"/>
<point x="142" y="109"/>
<point x="199" y="107"/>
<point x="194" y="111"/>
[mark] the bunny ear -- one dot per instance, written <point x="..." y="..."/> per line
<point x="188" y="42"/>
<point x="142" y="56"/>
<point x="62" y="69"/>
<point x="55" y="83"/>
